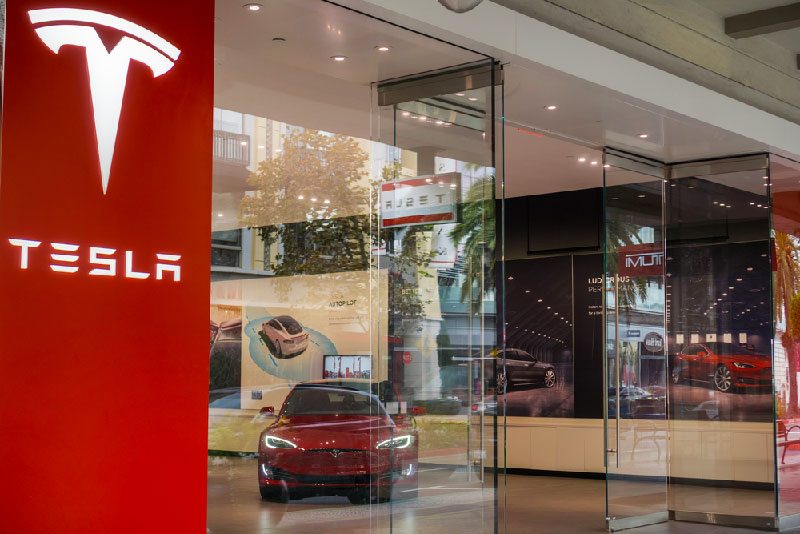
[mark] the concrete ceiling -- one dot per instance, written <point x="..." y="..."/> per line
<point x="296" y="81"/>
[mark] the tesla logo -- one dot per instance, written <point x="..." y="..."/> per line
<point x="64" y="258"/>
<point x="648" y="259"/>
<point x="336" y="452"/>
<point x="108" y="70"/>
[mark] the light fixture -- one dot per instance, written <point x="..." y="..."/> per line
<point x="539" y="300"/>
<point x="643" y="136"/>
<point x="278" y="150"/>
<point x="339" y="58"/>
<point x="439" y="122"/>
<point x="581" y="160"/>
<point x="459" y="94"/>
<point x="261" y="147"/>
<point x="551" y="107"/>
<point x="422" y="118"/>
<point x="244" y="143"/>
<point x="253" y="7"/>
<point x="510" y="277"/>
<point x="220" y="214"/>
<point x="313" y="199"/>
<point x="606" y="165"/>
<point x="592" y="163"/>
<point x="383" y="48"/>
<point x="641" y="196"/>
<point x="327" y="201"/>
<point x="472" y="99"/>
<point x="300" y="197"/>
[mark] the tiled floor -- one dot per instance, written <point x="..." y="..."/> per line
<point x="448" y="503"/>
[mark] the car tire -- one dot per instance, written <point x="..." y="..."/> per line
<point x="502" y="386"/>
<point x="550" y="378"/>
<point x="723" y="380"/>
<point x="357" y="497"/>
<point x="272" y="493"/>
<point x="278" y="350"/>
<point x="676" y="376"/>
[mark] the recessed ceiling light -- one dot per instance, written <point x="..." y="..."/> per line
<point x="244" y="143"/>
<point x="640" y="196"/>
<point x="339" y="58"/>
<point x="422" y="118"/>
<point x="551" y="107"/>
<point x="472" y="99"/>
<point x="581" y="159"/>
<point x="606" y="165"/>
<point x="592" y="163"/>
<point x="253" y="7"/>
<point x="439" y="122"/>
<point x="313" y="199"/>
<point x="261" y="147"/>
<point x="383" y="48"/>
<point x="327" y="201"/>
<point x="459" y="94"/>
<point x="220" y="214"/>
<point x="643" y="136"/>
<point x="406" y="113"/>
<point x="300" y="197"/>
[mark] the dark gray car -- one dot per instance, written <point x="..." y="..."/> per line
<point x="523" y="368"/>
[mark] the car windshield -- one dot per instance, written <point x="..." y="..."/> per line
<point x="331" y="401"/>
<point x="291" y="326"/>
<point x="727" y="348"/>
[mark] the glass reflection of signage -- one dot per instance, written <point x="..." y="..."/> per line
<point x="335" y="366"/>
<point x="641" y="260"/>
<point x="654" y="342"/>
<point x="421" y="200"/>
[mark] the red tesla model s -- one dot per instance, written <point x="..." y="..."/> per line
<point x="725" y="365"/>
<point x="331" y="439"/>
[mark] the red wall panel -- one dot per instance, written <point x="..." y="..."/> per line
<point x="104" y="379"/>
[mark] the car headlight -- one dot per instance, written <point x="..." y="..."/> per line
<point x="400" y="442"/>
<point x="742" y="365"/>
<point x="273" y="442"/>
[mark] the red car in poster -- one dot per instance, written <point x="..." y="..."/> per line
<point x="332" y="439"/>
<point x="727" y="366"/>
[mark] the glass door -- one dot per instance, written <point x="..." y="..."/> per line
<point x="434" y="263"/>
<point x="635" y="343"/>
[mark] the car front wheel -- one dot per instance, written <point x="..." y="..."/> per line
<point x="723" y="379"/>
<point x="550" y="378"/>
<point x="273" y="493"/>
<point x="278" y="349"/>
<point x="501" y="383"/>
<point x="676" y="376"/>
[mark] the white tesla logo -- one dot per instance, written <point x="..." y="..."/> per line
<point x="108" y="71"/>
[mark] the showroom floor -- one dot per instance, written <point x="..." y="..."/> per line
<point x="448" y="503"/>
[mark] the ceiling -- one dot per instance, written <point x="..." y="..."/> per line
<point x="788" y="39"/>
<point x="296" y="81"/>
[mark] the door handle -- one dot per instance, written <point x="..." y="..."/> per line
<point x="611" y="451"/>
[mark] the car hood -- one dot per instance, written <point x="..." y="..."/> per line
<point x="753" y="359"/>
<point x="332" y="431"/>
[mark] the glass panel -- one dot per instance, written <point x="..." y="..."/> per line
<point x="636" y="426"/>
<point x="785" y="178"/>
<point x="434" y="239"/>
<point x="339" y="353"/>
<point x="719" y="336"/>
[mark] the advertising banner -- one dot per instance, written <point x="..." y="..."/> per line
<point x="646" y="259"/>
<point x="313" y="327"/>
<point x="421" y="200"/>
<point x="104" y="254"/>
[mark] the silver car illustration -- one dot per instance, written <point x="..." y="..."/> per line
<point x="284" y="336"/>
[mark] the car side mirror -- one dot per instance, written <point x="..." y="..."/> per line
<point x="702" y="353"/>
<point x="267" y="410"/>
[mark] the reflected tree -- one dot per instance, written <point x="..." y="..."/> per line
<point x="787" y="306"/>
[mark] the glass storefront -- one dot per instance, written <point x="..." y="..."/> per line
<point x="353" y="357"/>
